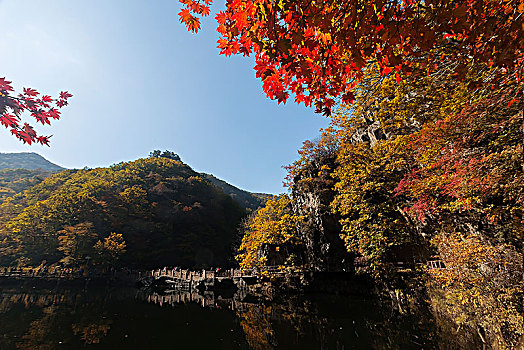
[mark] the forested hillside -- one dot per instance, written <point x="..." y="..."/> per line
<point x="248" y="200"/>
<point x="166" y="213"/>
<point x="13" y="181"/>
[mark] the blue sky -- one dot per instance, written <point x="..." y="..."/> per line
<point x="142" y="82"/>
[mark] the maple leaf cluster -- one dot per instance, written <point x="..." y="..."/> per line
<point x="192" y="9"/>
<point x="318" y="50"/>
<point x="41" y="107"/>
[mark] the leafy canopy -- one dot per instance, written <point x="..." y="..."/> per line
<point x="318" y="50"/>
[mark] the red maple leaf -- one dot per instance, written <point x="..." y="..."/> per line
<point x="5" y="85"/>
<point x="348" y="97"/>
<point x="65" y="95"/>
<point x="29" y="130"/>
<point x="43" y="140"/>
<point x="30" y="92"/>
<point x="184" y="15"/>
<point x="205" y="11"/>
<point x="61" y="103"/>
<point x="54" y="113"/>
<point x="41" y="117"/>
<point x="25" y="137"/>
<point x="8" y="120"/>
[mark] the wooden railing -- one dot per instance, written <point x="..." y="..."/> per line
<point x="202" y="274"/>
<point x="436" y="264"/>
<point x="190" y="275"/>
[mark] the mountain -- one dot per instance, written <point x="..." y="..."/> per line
<point x="26" y="160"/>
<point x="250" y="201"/>
<point x="167" y="213"/>
<point x="32" y="168"/>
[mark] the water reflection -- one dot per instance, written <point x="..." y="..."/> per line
<point x="55" y="318"/>
<point x="316" y="321"/>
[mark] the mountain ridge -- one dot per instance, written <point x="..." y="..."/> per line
<point x="27" y="160"/>
<point x="38" y="168"/>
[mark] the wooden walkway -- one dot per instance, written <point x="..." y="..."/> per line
<point x="219" y="278"/>
<point x="184" y="277"/>
<point x="40" y="273"/>
<point x="26" y="273"/>
<point x="200" y="275"/>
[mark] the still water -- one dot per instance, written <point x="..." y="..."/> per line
<point x="57" y="317"/>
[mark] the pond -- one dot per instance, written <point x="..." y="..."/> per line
<point x="59" y="317"/>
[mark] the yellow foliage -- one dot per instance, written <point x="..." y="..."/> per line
<point x="274" y="224"/>
<point x="481" y="286"/>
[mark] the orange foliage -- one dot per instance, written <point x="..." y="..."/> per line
<point x="318" y="50"/>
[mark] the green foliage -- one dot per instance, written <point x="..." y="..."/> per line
<point x="166" y="154"/>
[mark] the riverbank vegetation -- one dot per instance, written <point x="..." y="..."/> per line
<point x="424" y="156"/>
<point x="428" y="168"/>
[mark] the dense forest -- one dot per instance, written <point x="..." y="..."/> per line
<point x="423" y="160"/>
<point x="13" y="181"/>
<point x="150" y="212"/>
<point x="418" y="170"/>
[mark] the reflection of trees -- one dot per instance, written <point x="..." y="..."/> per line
<point x="256" y="325"/>
<point x="334" y="322"/>
<point x="38" y="335"/>
<point x="43" y="320"/>
<point x="319" y="322"/>
<point x="91" y="333"/>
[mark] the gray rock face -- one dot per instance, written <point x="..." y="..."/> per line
<point x="324" y="250"/>
<point x="371" y="133"/>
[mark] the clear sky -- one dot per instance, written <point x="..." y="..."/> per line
<point x="142" y="82"/>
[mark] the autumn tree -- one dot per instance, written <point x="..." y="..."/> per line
<point x="270" y="230"/>
<point x="481" y="287"/>
<point x="469" y="162"/>
<point x="432" y="157"/>
<point x="109" y="250"/>
<point x="318" y="51"/>
<point x="77" y="243"/>
<point x="430" y="143"/>
<point x="43" y="108"/>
